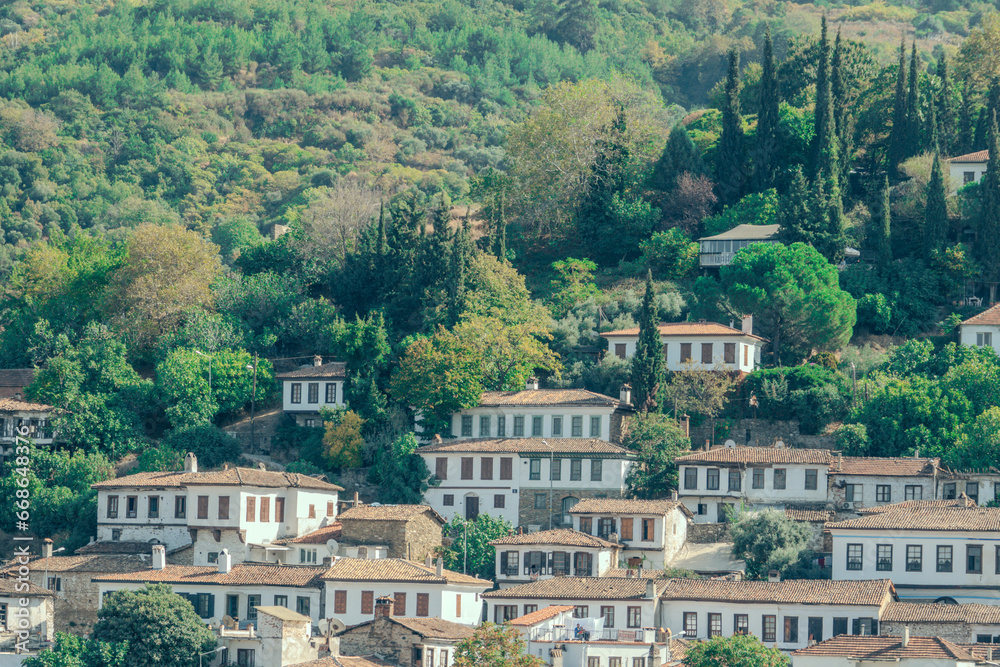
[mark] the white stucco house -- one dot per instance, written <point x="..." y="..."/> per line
<point x="982" y="330"/>
<point x="305" y="391"/>
<point x="859" y="482"/>
<point x="650" y="532"/>
<point x="560" y="552"/>
<point x="697" y="346"/>
<point x="24" y="419"/>
<point x="25" y="607"/>
<point x="904" y="651"/>
<point x="244" y="510"/>
<point x="965" y="169"/>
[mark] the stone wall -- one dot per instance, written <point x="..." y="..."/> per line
<point x="707" y="533"/>
<point x="527" y="514"/>
<point x="412" y="539"/>
<point x="391" y="641"/>
<point x="423" y="536"/>
<point x="960" y="633"/>
<point x="763" y="433"/>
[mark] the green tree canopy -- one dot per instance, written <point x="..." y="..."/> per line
<point x="470" y="550"/>
<point x="494" y="646"/>
<point x="657" y="440"/>
<point x="768" y="540"/>
<point x="735" y="651"/>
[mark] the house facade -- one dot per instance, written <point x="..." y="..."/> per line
<point x="982" y="330"/>
<point x="25" y="607"/>
<point x="527" y="481"/>
<point x="718" y="250"/>
<point x="650" y="532"/>
<point x="24" y="419"/>
<point x="696" y="346"/>
<point x="305" y="391"/>
<point x="959" y="623"/>
<point x="966" y="169"/>
<point x="552" y="553"/>
<point x="13" y="381"/>
<point x="279" y="637"/>
<point x="860" y="482"/>
<point x="407" y="531"/>
<point x="979" y="486"/>
<point x="904" y="651"/>
<point x="404" y="641"/>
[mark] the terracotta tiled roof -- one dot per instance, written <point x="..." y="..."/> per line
<point x="578" y="588"/>
<point x="388" y="513"/>
<point x="588" y="446"/>
<point x="345" y="661"/>
<point x="14" y="405"/>
<point x="750" y="455"/>
<point x="625" y="573"/>
<point x="395" y="569"/>
<point x="91" y="563"/>
<point x="961" y="502"/>
<point x="808" y="515"/>
<point x="17" y="377"/>
<point x="13" y="588"/>
<point x="883" y="467"/>
<point x="105" y="547"/>
<point x="978" y="156"/>
<point x="229" y="477"/>
<point x="429" y="628"/>
<point x="334" y="369"/>
<point x="989" y="316"/>
<point x="983" y="651"/>
<point x="624" y="506"/>
<point x="792" y="591"/>
<point x="915" y="612"/>
<point x="561" y="536"/>
<point x="888" y="648"/>
<point x="541" y="615"/>
<point x="318" y="536"/>
<point x="974" y="519"/>
<point x="544" y="397"/>
<point x="685" y="329"/>
<point x="243" y="574"/>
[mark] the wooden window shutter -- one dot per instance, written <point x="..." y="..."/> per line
<point x="202" y="507"/>
<point x="626" y="528"/>
<point x="466" y="467"/>
<point x="279" y="509"/>
<point x="506" y="468"/>
<point x="251" y="508"/>
<point x="340" y="602"/>
<point x="399" y="604"/>
<point x="223" y="507"/>
<point x="487" y="468"/>
<point x="458" y="605"/>
<point x="441" y="467"/>
<point x="423" y="604"/>
<point x="265" y="509"/>
<point x="367" y="602"/>
<point x="329" y="508"/>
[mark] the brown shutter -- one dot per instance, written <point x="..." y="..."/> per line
<point x="441" y="465"/>
<point x="486" y="468"/>
<point x="202" y="507"/>
<point x="620" y="350"/>
<point x="729" y="350"/>
<point x="627" y="528"/>
<point x="466" y="467"/>
<point x="746" y="355"/>
<point x="251" y="508"/>
<point x="423" y="604"/>
<point x="279" y="509"/>
<point x="312" y="511"/>
<point x="265" y="509"/>
<point x="685" y="352"/>
<point x="223" y="507"/>
<point x="506" y="468"/>
<point x="367" y="602"/>
<point x="340" y="602"/>
<point x="399" y="604"/>
<point x="329" y="508"/>
<point x="706" y="353"/>
<point x="458" y="605"/>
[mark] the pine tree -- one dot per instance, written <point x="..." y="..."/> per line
<point x="500" y="235"/>
<point x="647" y="363"/>
<point x="823" y="102"/>
<point x="946" y="115"/>
<point x="897" y="136"/>
<point x="877" y="242"/>
<point x="461" y="251"/>
<point x="680" y="155"/>
<point x="795" y="213"/>
<point x="766" y="147"/>
<point x="914" y="124"/>
<point x="988" y="229"/>
<point x="936" y="211"/>
<point x="729" y="156"/>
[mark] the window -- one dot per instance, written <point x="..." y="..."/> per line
<point x="466" y="426"/>
<point x="972" y="490"/>
<point x="555" y="469"/>
<point x="530" y="609"/>
<point x="712" y="483"/>
<point x="535" y="469"/>
<point x="638" y="662"/>
<point x="596" y="470"/>
<point x="690" y="624"/>
<point x="811" y="479"/>
<point x="647" y="530"/>
<point x="233" y="606"/>
<point x="245" y="657"/>
<point x="466" y="468"/>
<point x="586" y="525"/>
<point x="852" y="493"/>
<point x="883" y="493"/>
<point x="55" y="584"/>
<point x="758" y="478"/>
<point x="339" y="602"/>
<point x="883" y="559"/>
<point x="131" y="507"/>
<point x="536" y="426"/>
<point x="984" y="339"/>
<point x="608" y="614"/>
<point x="310" y="423"/>
<point x="296" y="392"/>
<point x="560" y="563"/>
<point x="791" y="629"/>
<point x="506" y="467"/>
<point x="251" y="508"/>
<point x="779" y="478"/>
<point x="769" y="625"/>
<point x="557" y="427"/>
<point x="581" y="611"/>
<point x="605" y="526"/>
<point x="997" y="559"/>
<point x="854" y="553"/>
<point x="399" y="604"/>
<point x="575" y="470"/>
<point x="614" y="662"/>
<point x="486" y="467"/>
<point x="223" y="507"/>
<point x="441" y="467"/>
<point x="974" y="559"/>
<point x="448" y="500"/>
<point x="253" y="601"/>
<point x="593" y="661"/>
<point x="914" y="558"/>
<point x="944" y="558"/>
<point x="367" y="602"/>
<point x="302" y="605"/>
<point x="968" y="177"/>
<point x="307" y="555"/>
<point x="626" y="528"/>
<point x="509" y="563"/>
<point x="734" y="480"/>
<point x="501" y="426"/>
<point x="180" y="507"/>
<point x="458" y="609"/>
<point x="499" y="500"/>
<point x="583" y="564"/>
<point x="746" y="355"/>
<point x="690" y="478"/>
<point x="706" y="353"/>
<point x="541" y="501"/>
<point x="741" y="624"/>
<point x="702" y="509"/>
<point x="518" y="427"/>
<point x="685" y="352"/>
<point x="595" y="427"/>
<point x="116" y="534"/>
<point x="423" y="604"/>
<point x="620" y="350"/>
<point x="996" y="490"/>
<point x="714" y="625"/>
<point x="534" y="562"/>
<point x="577" y="427"/>
<point x="331" y="392"/>
<point x="112" y="507"/>
<point x="949" y="491"/>
<point x="314" y="392"/>
<point x="913" y="492"/>
<point x="839" y="626"/>
<point x="729" y="353"/>
<point x="329" y="509"/>
<point x="484" y="426"/>
<point x="282" y="600"/>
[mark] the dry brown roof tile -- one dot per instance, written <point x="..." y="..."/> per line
<point x="791" y="591"/>
<point x="917" y="612"/>
<point x="974" y="519"/>
<point x="625" y="506"/>
<point x="760" y="455"/>
<point x="227" y="477"/>
<point x="388" y="513"/>
<point x="334" y="369"/>
<point x="888" y="648"/>
<point x="544" y="397"/>
<point x="540" y="615"/>
<point x="685" y="329"/>
<point x="588" y="446"/>
<point x="86" y="564"/>
<point x="978" y="156"/>
<point x="318" y="536"/>
<point x="243" y="574"/>
<point x="395" y="569"/>
<point x="962" y="501"/>
<point x="429" y="628"/>
<point x="15" y="405"/>
<point x="578" y="588"/>
<point x="815" y="516"/>
<point x="14" y="588"/>
<point x="560" y="536"/>
<point x="883" y="467"/>
<point x="989" y="316"/>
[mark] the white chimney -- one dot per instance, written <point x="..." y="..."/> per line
<point x="190" y="462"/>
<point x="429" y="561"/>
<point x="531" y="384"/>
<point x="317" y="360"/>
<point x="625" y="393"/>
<point x="906" y="636"/>
<point x="673" y="494"/>
<point x="650" y="589"/>
<point x="440" y="567"/>
<point x="47" y="548"/>
<point x="159" y="556"/>
<point x="773" y="575"/>
<point x="225" y="562"/>
<point x="747" y="326"/>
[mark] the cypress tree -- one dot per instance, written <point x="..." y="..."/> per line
<point x="795" y="212"/>
<point x="988" y="229"/>
<point x="647" y="363"/>
<point x="897" y="136"/>
<point x="878" y="238"/>
<point x="982" y="130"/>
<point x="460" y="252"/>
<point x="380" y="242"/>
<point x="931" y="130"/>
<point x="946" y="115"/>
<point x="679" y="155"/>
<point x="936" y="211"/>
<point x="500" y="235"/>
<point x="841" y="119"/>
<point x="914" y="125"/>
<point x="821" y="113"/>
<point x="766" y="148"/>
<point x="729" y="156"/>
<point x="966" y="126"/>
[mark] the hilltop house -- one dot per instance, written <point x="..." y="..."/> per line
<point x="858" y="482"/>
<point x="37" y="618"/>
<point x="13" y="381"/>
<point x="969" y="168"/>
<point x="982" y="330"/>
<point x="305" y="391"/>
<point x="650" y="532"/>
<point x="407" y="531"/>
<point x="28" y="420"/>
<point x="718" y="250"/>
<point x="404" y="641"/>
<point x="552" y="553"/>
<point x="698" y="346"/>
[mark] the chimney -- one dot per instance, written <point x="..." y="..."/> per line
<point x="906" y="636"/>
<point x="989" y="654"/>
<point x="531" y="384"/>
<point x="555" y="657"/>
<point x="673" y="494"/>
<point x="357" y="500"/>
<point x="916" y="453"/>
<point x="708" y="444"/>
<point x="773" y="576"/>
<point x="159" y="556"/>
<point x="653" y="659"/>
<point x="190" y="462"/>
<point x="428" y="562"/>
<point x="225" y="562"/>
<point x="440" y="567"/>
<point x="382" y="606"/>
<point x="686" y="423"/>
<point x="261" y="466"/>
<point x="650" y="589"/>
<point x="747" y="325"/>
<point x="327" y="561"/>
<point x="317" y="360"/>
<point x="47" y="548"/>
<point x="626" y="393"/>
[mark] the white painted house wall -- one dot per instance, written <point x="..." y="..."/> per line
<point x="304" y="404"/>
<point x="794" y="491"/>
<point x="546" y="413"/>
<point x="975" y="335"/>
<point x="672" y="352"/>
<point x="923" y="489"/>
<point x="442" y="601"/>
<point x="602" y="560"/>
<point x="656" y="553"/>
<point x="649" y="608"/>
<point x="957" y="173"/>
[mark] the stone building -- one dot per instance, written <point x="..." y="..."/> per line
<point x="859" y="482"/>
<point x="280" y="638"/>
<point x="405" y="641"/>
<point x="409" y="531"/>
<point x="959" y="623"/>
<point x="33" y="604"/>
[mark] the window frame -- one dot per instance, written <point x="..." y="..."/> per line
<point x="768" y="627"/>
<point x="690" y="478"/>
<point x="534" y="469"/>
<point x="596" y="426"/>
<point x="735" y="480"/>
<point x="576" y="470"/>
<point x="883" y="493"/>
<point x="295" y="396"/>
<point x="757" y="478"/>
<point x="741" y="624"/>
<point x="714" y="624"/>
<point x="812" y="479"/>
<point x="950" y="560"/>
<point x="883" y="558"/>
<point x="596" y="470"/>
<point x="712" y="480"/>
<point x="969" y="550"/>
<point x="782" y="474"/>
<point x="914" y="558"/>
<point x="690" y="624"/>
<point x="855" y="562"/>
<point x="330" y="391"/>
<point x="913" y="492"/>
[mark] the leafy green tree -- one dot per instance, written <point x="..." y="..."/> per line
<point x="575" y="283"/>
<point x="342" y="441"/>
<point x="679" y="156"/>
<point x="672" y="255"/>
<point x="578" y="23"/>
<point x="647" y="363"/>
<point x="936" y="211"/>
<point x="73" y="651"/>
<point x="210" y="444"/>
<point x="160" y="627"/>
<point x="897" y="137"/>
<point x="765" y="157"/>
<point x="494" y="646"/>
<point x="470" y="549"/>
<point x="768" y="540"/>
<point x="400" y="472"/>
<point x="729" y="154"/>
<point x="657" y="440"/>
<point x="979" y="443"/>
<point x="735" y="651"/>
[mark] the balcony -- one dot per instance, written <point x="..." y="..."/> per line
<point x="716" y="258"/>
<point x="561" y="634"/>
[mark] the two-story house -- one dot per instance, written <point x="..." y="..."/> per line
<point x="966" y="169"/>
<point x="528" y="481"/>
<point x="697" y="346"/>
<point x="24" y="419"/>
<point x="305" y="391"/>
<point x="560" y="552"/>
<point x="931" y="552"/>
<point x="25" y="607"/>
<point x="419" y="590"/>
<point x="718" y="250"/>
<point x="979" y="485"/>
<point x="716" y="481"/>
<point x="858" y="482"/>
<point x="243" y="510"/>
<point x="651" y="532"/>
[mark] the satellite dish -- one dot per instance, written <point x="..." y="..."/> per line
<point x="324" y="626"/>
<point x="229" y="622"/>
<point x="333" y="546"/>
<point x="336" y="626"/>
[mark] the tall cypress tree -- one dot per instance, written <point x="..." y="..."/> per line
<point x="679" y="155"/>
<point x="841" y="117"/>
<point x="878" y="241"/>
<point x="500" y="236"/>
<point x="647" y="363"/>
<point x="966" y="125"/>
<point x="931" y="129"/>
<point x="823" y="102"/>
<point x="988" y="229"/>
<point x="729" y="156"/>
<point x="380" y="242"/>
<point x="914" y="124"/>
<point x="897" y="136"/>
<point x="461" y="250"/>
<point x="946" y="114"/>
<point x="766" y="147"/>
<point x="936" y="211"/>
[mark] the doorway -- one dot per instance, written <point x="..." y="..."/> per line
<point x="471" y="508"/>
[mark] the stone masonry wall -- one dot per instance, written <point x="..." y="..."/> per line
<point x="423" y="536"/>
<point x="960" y="633"/>
<point x="392" y="534"/>
<point x="391" y="642"/>
<point x="527" y="514"/>
<point x="763" y="433"/>
<point x="707" y="533"/>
